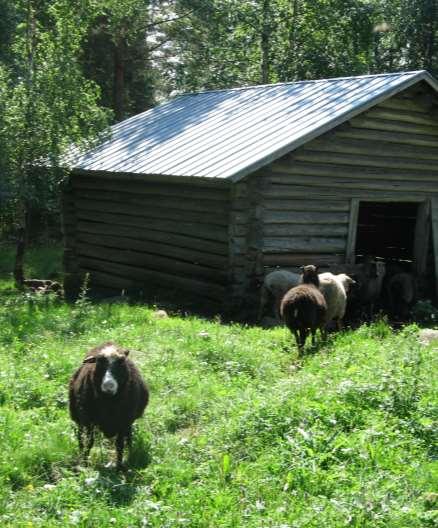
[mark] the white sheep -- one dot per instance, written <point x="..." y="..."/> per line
<point x="275" y="285"/>
<point x="335" y="289"/>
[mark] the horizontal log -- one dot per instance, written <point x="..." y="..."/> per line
<point x="396" y="103"/>
<point x="332" y="230"/>
<point x="303" y="245"/>
<point x="297" y="259"/>
<point x="306" y="205"/>
<point x="427" y="168"/>
<point x="388" y="184"/>
<point x="393" y="126"/>
<point x="404" y="116"/>
<point x="364" y="147"/>
<point x="168" y="202"/>
<point x="141" y="277"/>
<point x="194" y="229"/>
<point x="113" y="284"/>
<point x="153" y="262"/>
<point x="152" y="189"/>
<point x="157" y="212"/>
<point x="183" y="241"/>
<point x="196" y="256"/>
<point x="152" y="179"/>
<point x="403" y="137"/>
<point x="330" y="192"/>
<point x="317" y="168"/>
<point x="302" y="217"/>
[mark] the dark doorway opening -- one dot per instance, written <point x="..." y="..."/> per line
<point x="386" y="230"/>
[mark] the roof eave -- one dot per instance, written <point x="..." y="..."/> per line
<point x="421" y="75"/>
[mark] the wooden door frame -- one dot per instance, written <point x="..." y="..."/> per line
<point x="427" y="209"/>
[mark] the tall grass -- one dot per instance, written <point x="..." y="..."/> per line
<point x="239" y="431"/>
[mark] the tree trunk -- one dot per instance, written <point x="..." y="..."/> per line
<point x="265" y="42"/>
<point x="119" y="79"/>
<point x="429" y="37"/>
<point x="19" y="258"/>
<point x="293" y="32"/>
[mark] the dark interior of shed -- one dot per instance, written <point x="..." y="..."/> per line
<point x="386" y="230"/>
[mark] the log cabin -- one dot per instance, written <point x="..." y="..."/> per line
<point x="198" y="198"/>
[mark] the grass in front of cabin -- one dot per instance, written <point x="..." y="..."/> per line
<point x="239" y="432"/>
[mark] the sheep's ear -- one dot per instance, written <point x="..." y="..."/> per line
<point x="90" y="359"/>
<point x="126" y="352"/>
<point x="301" y="268"/>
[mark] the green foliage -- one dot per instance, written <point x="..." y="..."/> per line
<point x="46" y="104"/>
<point x="239" y="431"/>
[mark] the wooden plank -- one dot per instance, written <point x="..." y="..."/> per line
<point x="160" y="212"/>
<point x="183" y="241"/>
<point x="421" y="240"/>
<point x="434" y="216"/>
<point x="171" y="202"/>
<point x="299" y="259"/>
<point x="184" y="228"/>
<point x="303" y="245"/>
<point x="153" y="262"/>
<point x="302" y="217"/>
<point x="152" y="189"/>
<point x="428" y="168"/>
<point x="290" y="230"/>
<point x="197" y="256"/>
<point x="394" y="126"/>
<point x="352" y="231"/>
<point x="141" y="277"/>
<point x="303" y="168"/>
<point x="404" y="116"/>
<point x="151" y="179"/>
<point x="396" y="103"/>
<point x="404" y="138"/>
<point x="364" y="147"/>
<point x="345" y="182"/>
<point x="306" y="205"/>
<point x="331" y="192"/>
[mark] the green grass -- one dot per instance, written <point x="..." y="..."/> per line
<point x="239" y="432"/>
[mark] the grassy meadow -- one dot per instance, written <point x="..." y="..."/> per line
<point x="239" y="431"/>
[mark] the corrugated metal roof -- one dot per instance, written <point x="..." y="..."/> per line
<point x="230" y="133"/>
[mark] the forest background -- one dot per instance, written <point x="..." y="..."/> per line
<point x="68" y="69"/>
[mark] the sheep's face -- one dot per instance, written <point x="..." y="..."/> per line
<point x="310" y="274"/>
<point x="110" y="371"/>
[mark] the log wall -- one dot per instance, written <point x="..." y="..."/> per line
<point x="308" y="200"/>
<point x="150" y="234"/>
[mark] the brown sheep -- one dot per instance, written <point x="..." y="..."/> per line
<point x="107" y="392"/>
<point x="304" y="308"/>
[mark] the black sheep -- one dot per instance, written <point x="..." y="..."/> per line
<point x="107" y="392"/>
<point x="304" y="308"/>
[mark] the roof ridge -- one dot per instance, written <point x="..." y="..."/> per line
<point x="289" y="83"/>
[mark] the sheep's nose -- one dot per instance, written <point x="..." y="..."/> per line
<point x="109" y="384"/>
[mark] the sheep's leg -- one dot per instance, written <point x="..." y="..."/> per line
<point x="79" y="436"/>
<point x="313" y="334"/>
<point x="120" y="444"/>
<point x="90" y="441"/>
<point x="303" y="336"/>
<point x="297" y="340"/>
<point x="128" y="436"/>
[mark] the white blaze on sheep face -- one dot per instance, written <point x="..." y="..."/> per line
<point x="109" y="383"/>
